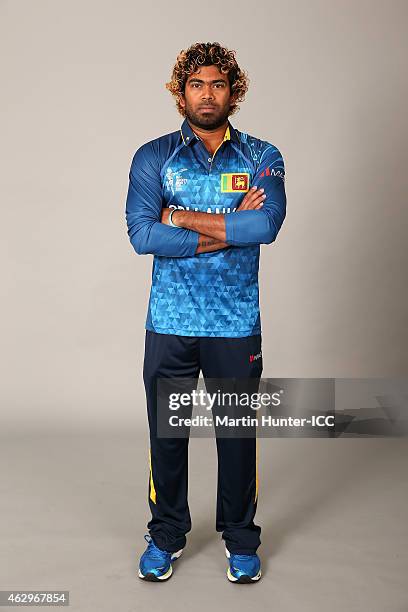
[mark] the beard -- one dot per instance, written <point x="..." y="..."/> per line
<point x="207" y="120"/>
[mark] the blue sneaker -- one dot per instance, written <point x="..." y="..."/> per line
<point x="155" y="563"/>
<point x="243" y="568"/>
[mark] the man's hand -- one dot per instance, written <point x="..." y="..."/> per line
<point x="165" y="216"/>
<point x="253" y="199"/>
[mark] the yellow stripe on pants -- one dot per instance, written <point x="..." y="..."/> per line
<point x="152" y="489"/>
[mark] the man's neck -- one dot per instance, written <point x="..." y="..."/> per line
<point x="211" y="138"/>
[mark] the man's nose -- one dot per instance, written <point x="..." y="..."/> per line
<point x="207" y="93"/>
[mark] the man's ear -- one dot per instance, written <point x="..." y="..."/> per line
<point x="182" y="100"/>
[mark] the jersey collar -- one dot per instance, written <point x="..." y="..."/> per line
<point x="189" y="136"/>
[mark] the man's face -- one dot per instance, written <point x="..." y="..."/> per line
<point x="207" y="98"/>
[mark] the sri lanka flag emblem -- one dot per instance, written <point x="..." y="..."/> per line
<point x="232" y="182"/>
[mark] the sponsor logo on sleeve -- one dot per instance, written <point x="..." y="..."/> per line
<point x="272" y="172"/>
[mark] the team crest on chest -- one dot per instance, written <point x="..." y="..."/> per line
<point x="232" y="182"/>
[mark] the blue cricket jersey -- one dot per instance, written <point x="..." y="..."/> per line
<point x="215" y="293"/>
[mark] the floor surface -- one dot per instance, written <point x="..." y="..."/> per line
<point x="333" y="515"/>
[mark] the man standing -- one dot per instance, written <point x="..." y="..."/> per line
<point x="201" y="200"/>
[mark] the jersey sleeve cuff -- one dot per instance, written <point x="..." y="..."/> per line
<point x="229" y="228"/>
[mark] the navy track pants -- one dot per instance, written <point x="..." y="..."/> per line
<point x="169" y="356"/>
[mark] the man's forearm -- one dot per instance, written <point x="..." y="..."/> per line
<point x="204" y="223"/>
<point x="207" y="244"/>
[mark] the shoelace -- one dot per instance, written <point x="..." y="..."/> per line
<point x="154" y="551"/>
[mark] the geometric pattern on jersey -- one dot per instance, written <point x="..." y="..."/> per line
<point x="215" y="293"/>
<point x="206" y="296"/>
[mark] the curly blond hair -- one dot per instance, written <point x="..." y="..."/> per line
<point x="208" y="54"/>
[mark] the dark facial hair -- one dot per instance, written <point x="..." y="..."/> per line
<point x="207" y="121"/>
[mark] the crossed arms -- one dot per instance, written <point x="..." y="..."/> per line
<point x="200" y="231"/>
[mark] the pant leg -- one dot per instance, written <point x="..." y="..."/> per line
<point x="237" y="488"/>
<point x="168" y="356"/>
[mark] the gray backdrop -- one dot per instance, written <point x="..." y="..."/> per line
<point x="82" y="89"/>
